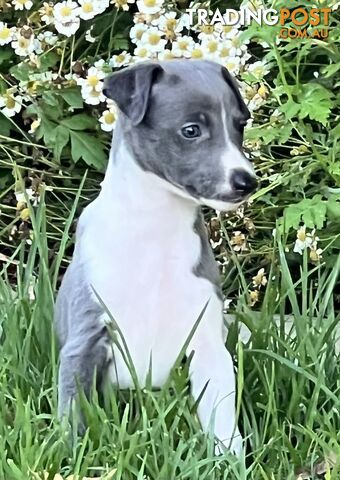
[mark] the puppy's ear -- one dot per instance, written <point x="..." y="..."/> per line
<point x="234" y="87"/>
<point x="130" y="89"/>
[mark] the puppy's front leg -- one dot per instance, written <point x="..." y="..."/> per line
<point x="211" y="370"/>
<point x="80" y="360"/>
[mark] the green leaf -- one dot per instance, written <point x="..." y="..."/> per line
<point x="5" y="125"/>
<point x="61" y="140"/>
<point x="50" y="98"/>
<point x="72" y="96"/>
<point x="5" y="54"/>
<point x="80" y="121"/>
<point x="333" y="209"/>
<point x="47" y="129"/>
<point x="89" y="148"/>
<point x="21" y="71"/>
<point x="48" y="60"/>
<point x="290" y="109"/>
<point x="316" y="103"/>
<point x="311" y="211"/>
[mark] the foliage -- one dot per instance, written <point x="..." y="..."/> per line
<point x="278" y="254"/>
<point x="288" y="377"/>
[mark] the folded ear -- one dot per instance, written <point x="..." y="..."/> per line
<point x="130" y="89"/>
<point x="234" y="87"/>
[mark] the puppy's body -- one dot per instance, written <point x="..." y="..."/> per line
<point x="142" y="247"/>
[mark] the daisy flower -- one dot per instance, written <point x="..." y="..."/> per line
<point x="239" y="241"/>
<point x="258" y="69"/>
<point x="92" y="86"/>
<point x="66" y="17"/>
<point x="48" y="37"/>
<point x="260" y="279"/>
<point x="122" y="4"/>
<point x="136" y="32"/>
<point x="141" y="53"/>
<point x="23" y="45"/>
<point x="165" y="54"/>
<point x="183" y="46"/>
<point x="233" y="64"/>
<point x="22" y="4"/>
<point x="46" y="13"/>
<point x="10" y="104"/>
<point x="149" y="6"/>
<point x="121" y="60"/>
<point x="153" y="37"/>
<point x="315" y="254"/>
<point x="303" y="240"/>
<point x="210" y="47"/>
<point x="208" y="32"/>
<point x="169" y="23"/>
<point x="88" y="9"/>
<point x="6" y="34"/>
<point x="197" y="52"/>
<point x="227" y="32"/>
<point x="108" y="119"/>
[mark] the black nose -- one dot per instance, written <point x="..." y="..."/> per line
<point x="243" y="182"/>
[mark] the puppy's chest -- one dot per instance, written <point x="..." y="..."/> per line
<point x="143" y="271"/>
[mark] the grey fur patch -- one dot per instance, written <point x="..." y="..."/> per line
<point x="82" y="336"/>
<point x="206" y="266"/>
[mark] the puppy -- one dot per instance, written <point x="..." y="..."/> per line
<point x="142" y="249"/>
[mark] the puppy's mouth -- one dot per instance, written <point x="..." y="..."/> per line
<point x="232" y="198"/>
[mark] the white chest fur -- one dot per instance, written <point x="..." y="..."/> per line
<point x="138" y="242"/>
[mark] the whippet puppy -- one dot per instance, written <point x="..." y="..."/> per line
<point x="141" y="246"/>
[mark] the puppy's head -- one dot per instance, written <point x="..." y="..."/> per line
<point x="184" y="122"/>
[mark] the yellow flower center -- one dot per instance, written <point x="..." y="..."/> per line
<point x="23" y="42"/>
<point x="170" y="23"/>
<point x="226" y="28"/>
<point x="168" y="55"/>
<point x="10" y="102"/>
<point x="21" y="2"/>
<point x="139" y="34"/>
<point x="87" y="7"/>
<point x="301" y="235"/>
<point x="4" y="33"/>
<point x="224" y="52"/>
<point x="154" y="38"/>
<point x="150" y="3"/>
<point x="65" y="11"/>
<point x="197" y="53"/>
<point x="236" y="42"/>
<point x="143" y="52"/>
<point x="92" y="80"/>
<point x="212" y="46"/>
<point x="109" y="117"/>
<point x="183" y="45"/>
<point x="207" y="28"/>
<point x="230" y="65"/>
<point x="120" y="58"/>
<point x="262" y="91"/>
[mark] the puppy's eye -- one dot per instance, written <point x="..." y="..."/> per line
<point x="191" y="131"/>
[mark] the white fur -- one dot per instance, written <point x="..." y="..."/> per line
<point x="140" y="249"/>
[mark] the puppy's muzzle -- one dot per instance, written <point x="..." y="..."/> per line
<point x="243" y="183"/>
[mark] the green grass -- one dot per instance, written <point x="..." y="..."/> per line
<point x="288" y="396"/>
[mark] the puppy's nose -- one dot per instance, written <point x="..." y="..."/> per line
<point x="243" y="182"/>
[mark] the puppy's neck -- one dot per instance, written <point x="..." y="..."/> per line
<point x="128" y="187"/>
